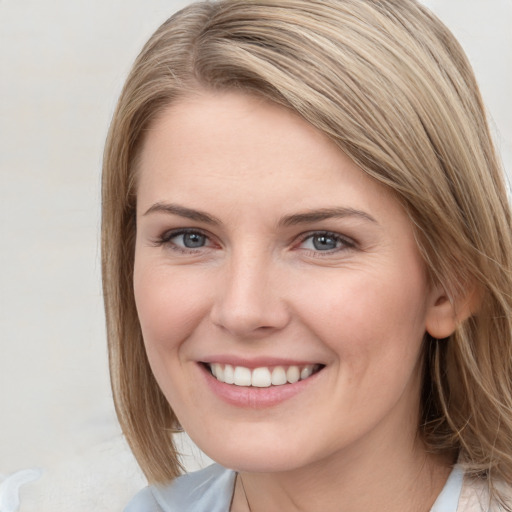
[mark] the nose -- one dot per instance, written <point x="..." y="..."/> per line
<point x="249" y="302"/>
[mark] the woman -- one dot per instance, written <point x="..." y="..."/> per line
<point x="306" y="261"/>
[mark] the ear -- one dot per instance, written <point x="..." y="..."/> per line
<point x="444" y="314"/>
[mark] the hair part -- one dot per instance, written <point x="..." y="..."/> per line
<point x="389" y="84"/>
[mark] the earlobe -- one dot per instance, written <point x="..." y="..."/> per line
<point x="441" y="320"/>
<point x="445" y="315"/>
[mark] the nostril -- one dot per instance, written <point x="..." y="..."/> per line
<point x="246" y="320"/>
<point x="246" y="325"/>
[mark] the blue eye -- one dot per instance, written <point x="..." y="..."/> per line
<point x="325" y="241"/>
<point x="192" y="240"/>
<point x="183" y="240"/>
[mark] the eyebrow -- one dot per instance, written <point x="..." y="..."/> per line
<point x="324" y="214"/>
<point x="307" y="217"/>
<point x="182" y="211"/>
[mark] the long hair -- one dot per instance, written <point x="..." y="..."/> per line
<point x="389" y="84"/>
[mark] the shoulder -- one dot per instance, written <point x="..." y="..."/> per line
<point x="208" y="490"/>
<point x="476" y="497"/>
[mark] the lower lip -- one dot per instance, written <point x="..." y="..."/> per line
<point x="254" y="397"/>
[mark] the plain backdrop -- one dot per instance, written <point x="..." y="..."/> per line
<point x="62" y="65"/>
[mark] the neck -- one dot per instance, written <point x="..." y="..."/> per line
<point x="382" y="481"/>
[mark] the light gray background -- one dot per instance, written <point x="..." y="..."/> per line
<point x="62" y="64"/>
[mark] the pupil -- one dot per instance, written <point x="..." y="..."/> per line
<point x="193" y="240"/>
<point x="324" y="243"/>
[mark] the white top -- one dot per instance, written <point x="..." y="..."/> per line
<point x="448" y="499"/>
<point x="211" y="490"/>
<point x="10" y="487"/>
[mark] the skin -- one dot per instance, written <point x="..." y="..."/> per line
<point x="256" y="286"/>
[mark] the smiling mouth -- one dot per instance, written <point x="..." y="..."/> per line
<point x="262" y="377"/>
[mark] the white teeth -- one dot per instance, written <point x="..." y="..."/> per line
<point x="278" y="376"/>
<point x="218" y="371"/>
<point x="293" y="374"/>
<point x="306" y="372"/>
<point x="229" y="374"/>
<point x="242" y="376"/>
<point x="262" y="377"/>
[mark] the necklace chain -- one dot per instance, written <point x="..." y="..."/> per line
<point x="245" y="493"/>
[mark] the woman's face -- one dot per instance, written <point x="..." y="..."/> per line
<point x="265" y="255"/>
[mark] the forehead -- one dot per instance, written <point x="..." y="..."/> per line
<point x="224" y="148"/>
<point x="209" y="124"/>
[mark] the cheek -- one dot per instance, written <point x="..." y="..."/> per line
<point x="370" y="318"/>
<point x="170" y="305"/>
<point x="374" y="328"/>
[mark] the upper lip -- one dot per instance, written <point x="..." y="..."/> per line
<point x="258" y="362"/>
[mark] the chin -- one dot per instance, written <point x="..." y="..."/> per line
<point x="257" y="461"/>
<point x="256" y="455"/>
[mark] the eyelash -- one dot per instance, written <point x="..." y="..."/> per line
<point x="345" y="242"/>
<point x="166" y="240"/>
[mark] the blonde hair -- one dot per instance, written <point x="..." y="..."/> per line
<point x="389" y="84"/>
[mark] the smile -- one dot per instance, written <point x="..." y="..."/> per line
<point x="262" y="377"/>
